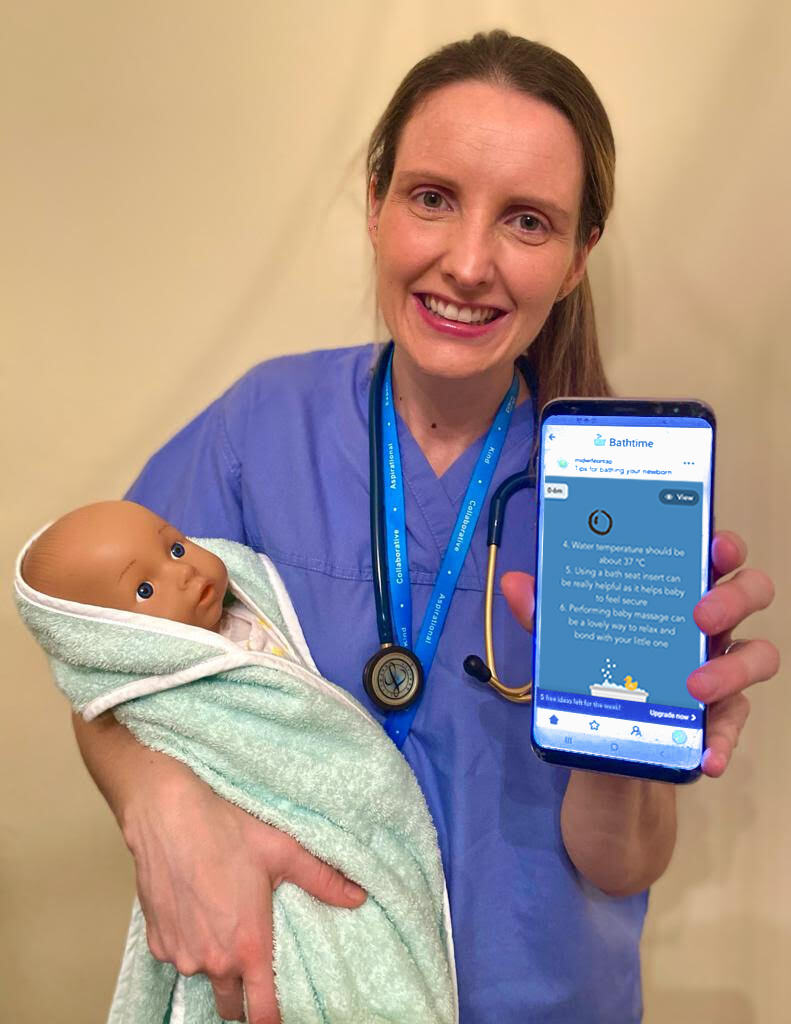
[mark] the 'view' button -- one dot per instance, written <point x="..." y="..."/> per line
<point x="556" y="490"/>
<point x="673" y="496"/>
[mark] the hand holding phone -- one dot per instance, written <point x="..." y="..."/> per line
<point x="624" y="532"/>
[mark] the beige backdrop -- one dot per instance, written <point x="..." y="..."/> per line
<point x="181" y="190"/>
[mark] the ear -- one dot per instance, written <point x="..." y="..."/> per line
<point x="578" y="264"/>
<point x="374" y="208"/>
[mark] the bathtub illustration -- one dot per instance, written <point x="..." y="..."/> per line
<point x="627" y="690"/>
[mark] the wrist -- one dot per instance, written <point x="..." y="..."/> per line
<point x="156" y="791"/>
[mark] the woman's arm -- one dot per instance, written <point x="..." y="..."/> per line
<point x="619" y="833"/>
<point x="206" y="870"/>
<point x="121" y="768"/>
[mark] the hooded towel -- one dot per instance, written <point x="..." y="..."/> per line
<point x="271" y="735"/>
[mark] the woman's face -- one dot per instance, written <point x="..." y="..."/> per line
<point x="476" y="237"/>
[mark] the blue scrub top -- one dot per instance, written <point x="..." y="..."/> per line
<point x="280" y="463"/>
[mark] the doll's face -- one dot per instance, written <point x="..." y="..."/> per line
<point x="120" y="555"/>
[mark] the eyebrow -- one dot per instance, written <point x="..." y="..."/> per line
<point x="432" y="177"/>
<point x="164" y="526"/>
<point x="126" y="568"/>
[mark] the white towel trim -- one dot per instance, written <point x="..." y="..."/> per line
<point x="236" y="658"/>
<point x="288" y="611"/>
<point x="156" y="684"/>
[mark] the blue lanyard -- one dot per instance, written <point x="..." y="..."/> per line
<point x="398" y="723"/>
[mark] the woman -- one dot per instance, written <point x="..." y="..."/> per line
<point x="490" y="180"/>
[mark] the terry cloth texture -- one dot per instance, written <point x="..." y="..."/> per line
<point x="271" y="735"/>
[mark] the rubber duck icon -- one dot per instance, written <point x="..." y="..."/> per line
<point x="629" y="683"/>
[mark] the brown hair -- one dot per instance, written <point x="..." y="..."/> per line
<point x="565" y="352"/>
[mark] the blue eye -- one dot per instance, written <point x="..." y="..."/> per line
<point x="177" y="550"/>
<point x="144" y="591"/>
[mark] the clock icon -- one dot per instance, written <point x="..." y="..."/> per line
<point x="600" y="521"/>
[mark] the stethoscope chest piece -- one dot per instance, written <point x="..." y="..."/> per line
<point x="393" y="678"/>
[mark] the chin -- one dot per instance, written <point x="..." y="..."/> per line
<point x="446" y="355"/>
<point x="460" y="359"/>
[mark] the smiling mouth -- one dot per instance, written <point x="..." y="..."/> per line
<point x="460" y="314"/>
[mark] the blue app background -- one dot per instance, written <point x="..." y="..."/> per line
<point x="619" y="618"/>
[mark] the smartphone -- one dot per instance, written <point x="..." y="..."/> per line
<point x="624" y="540"/>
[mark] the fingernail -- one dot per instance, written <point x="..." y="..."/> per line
<point x="352" y="891"/>
<point x="704" y="685"/>
<point x="713" y="764"/>
<point x="713" y="609"/>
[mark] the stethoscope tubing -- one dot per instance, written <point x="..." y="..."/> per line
<point x="384" y="618"/>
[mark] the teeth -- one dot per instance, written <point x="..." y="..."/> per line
<point x="463" y="314"/>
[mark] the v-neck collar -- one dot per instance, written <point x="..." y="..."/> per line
<point x="438" y="498"/>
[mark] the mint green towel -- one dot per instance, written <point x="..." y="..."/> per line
<point x="271" y="735"/>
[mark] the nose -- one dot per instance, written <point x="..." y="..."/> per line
<point x="184" y="571"/>
<point x="468" y="259"/>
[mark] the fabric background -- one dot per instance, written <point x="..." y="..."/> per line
<point x="181" y="195"/>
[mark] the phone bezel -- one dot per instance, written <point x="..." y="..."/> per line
<point x="615" y="407"/>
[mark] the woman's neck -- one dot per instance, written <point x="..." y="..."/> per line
<point x="445" y="416"/>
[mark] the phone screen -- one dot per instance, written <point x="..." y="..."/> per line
<point x="623" y="558"/>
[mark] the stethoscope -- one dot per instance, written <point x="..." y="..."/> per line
<point x="393" y="677"/>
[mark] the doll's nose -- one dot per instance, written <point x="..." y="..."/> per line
<point x="184" y="572"/>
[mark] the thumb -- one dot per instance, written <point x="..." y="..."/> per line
<point x="519" y="591"/>
<point x="322" y="881"/>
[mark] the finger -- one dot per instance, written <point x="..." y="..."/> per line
<point x="260" y="995"/>
<point x="728" y="604"/>
<point x="228" y="997"/>
<point x="258" y="979"/>
<point x="752" y="661"/>
<point x="723" y="727"/>
<point x="519" y="591"/>
<point x="728" y="552"/>
<point x="320" y="880"/>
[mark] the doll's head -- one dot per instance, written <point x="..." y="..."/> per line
<point x="121" y="555"/>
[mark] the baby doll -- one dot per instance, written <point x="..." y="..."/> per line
<point x="117" y="554"/>
<point x="197" y="650"/>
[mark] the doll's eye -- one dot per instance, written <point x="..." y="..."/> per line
<point x="177" y="550"/>
<point x="144" y="591"/>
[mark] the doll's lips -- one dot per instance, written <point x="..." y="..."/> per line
<point x="206" y="594"/>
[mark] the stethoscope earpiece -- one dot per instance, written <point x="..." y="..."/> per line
<point x="480" y="671"/>
<point x="476" y="667"/>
